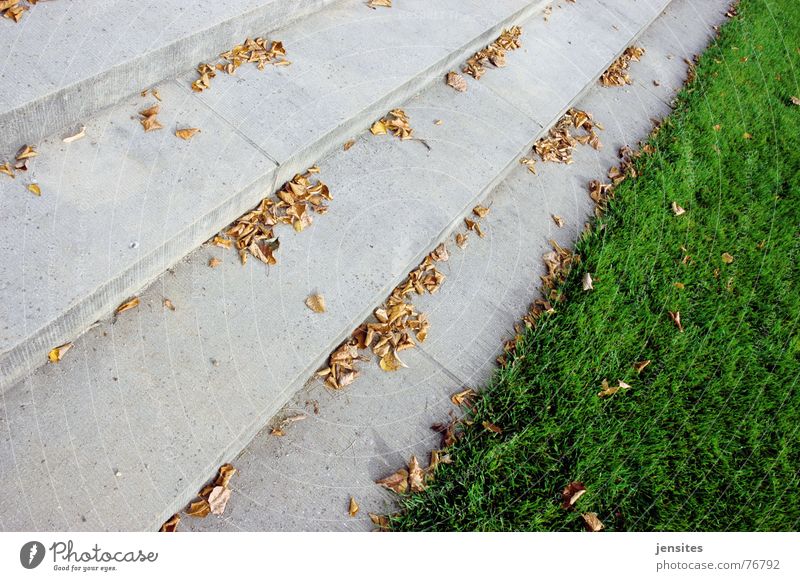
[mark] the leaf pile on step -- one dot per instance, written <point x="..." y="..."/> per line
<point x="617" y="74"/>
<point x="560" y="142"/>
<point x="14" y="9"/>
<point x="258" y="51"/>
<point x="395" y="122"/>
<point x="494" y="54"/>
<point x="20" y="163"/>
<point x="213" y="497"/>
<point x="294" y="204"/>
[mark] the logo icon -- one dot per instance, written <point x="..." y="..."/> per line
<point x="31" y="554"/>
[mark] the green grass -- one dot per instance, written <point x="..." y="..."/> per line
<point x="708" y="438"/>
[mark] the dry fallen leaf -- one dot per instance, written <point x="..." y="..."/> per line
<point x="617" y="73"/>
<point x="456" y="81"/>
<point x="440" y="253"/>
<point x="348" y="144"/>
<point x="379" y="520"/>
<point x="377" y="3"/>
<point x="571" y="493"/>
<point x="378" y="128"/>
<point x="57" y="353"/>
<point x="677" y="210"/>
<point x="75" y="137"/>
<point x="586" y="281"/>
<point x="316" y="303"/>
<point x="492" y="428"/>
<point x="480" y="211"/>
<point x="6" y="169"/>
<point x="559" y="221"/>
<point x="494" y="54"/>
<point x="592" y="522"/>
<point x="26" y="152"/>
<point x="353" y="508"/>
<point x="35" y="189"/>
<point x="676" y="318"/>
<point x="640" y="365"/>
<point x="171" y="525"/>
<point x="214" y="262"/>
<point x="746" y="135"/>
<point x="416" y="476"/>
<point x="391" y="362"/>
<point x="187" y="134"/>
<point x="609" y="391"/>
<point x="168" y="304"/>
<point x="199" y="508"/>
<point x="464" y="397"/>
<point x="727" y="258"/>
<point x="795" y="100"/>
<point x="462" y="240"/>
<point x="218" y="499"/>
<point x="397" y="482"/>
<point x="127" y="305"/>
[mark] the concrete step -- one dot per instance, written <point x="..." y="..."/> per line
<point x="64" y="61"/>
<point x="127" y="428"/>
<point x="303" y="481"/>
<point x="121" y="206"/>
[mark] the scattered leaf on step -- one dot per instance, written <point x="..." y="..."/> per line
<point x="171" y="525"/>
<point x="677" y="210"/>
<point x="353" y="508"/>
<point x="437" y="122"/>
<point x="640" y="365"/>
<point x="75" y="137"/>
<point x="316" y="303"/>
<point x="277" y="431"/>
<point x="6" y="169"/>
<point x="378" y="128"/>
<point x="397" y="482"/>
<point x="480" y="211"/>
<point x="218" y="499"/>
<point x="214" y="262"/>
<point x="57" y="353"/>
<point x="376" y="3"/>
<point x="128" y="305"/>
<point x="491" y="427"/>
<point x="464" y="397"/>
<point x="168" y="304"/>
<point x="26" y="152"/>
<point x="474" y="226"/>
<point x="35" y="189"/>
<point x="440" y="253"/>
<point x="571" y="493"/>
<point x="456" y="81"/>
<point x="199" y="509"/>
<point x="395" y="122"/>
<point x="676" y="318"/>
<point x="586" y="281"/>
<point x="391" y="362"/>
<point x="727" y="258"/>
<point x="348" y="144"/>
<point x="221" y="242"/>
<point x="151" y="124"/>
<point x="530" y="163"/>
<point x="188" y="133"/>
<point x="592" y="522"/>
<point x="226" y="472"/>
<point x="379" y="520"/>
<point x="559" y="221"/>
<point x="416" y="476"/>
<point x="462" y="240"/>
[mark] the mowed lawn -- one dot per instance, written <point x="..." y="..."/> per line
<point x="708" y="436"/>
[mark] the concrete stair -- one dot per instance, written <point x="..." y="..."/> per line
<point x="121" y="206"/>
<point x="124" y="431"/>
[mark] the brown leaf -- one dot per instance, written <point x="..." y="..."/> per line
<point x="480" y="211"/>
<point x="464" y="397"/>
<point x="214" y="262"/>
<point x="171" y="525"/>
<point x="316" y="303"/>
<point x="391" y="362"/>
<point x="571" y="493"/>
<point x="35" y="189"/>
<point x="456" y="81"/>
<point x="150" y="111"/>
<point x="379" y="520"/>
<point x="348" y="144"/>
<point x="559" y="221"/>
<point x="26" y="152"/>
<point x="377" y="3"/>
<point x="6" y="169"/>
<point x="353" y="509"/>
<point x="397" y="482"/>
<point x="592" y="523"/>
<point x="57" y="353"/>
<point x="218" y="499"/>
<point x="199" y="508"/>
<point x="75" y="137"/>
<point x="586" y="281"/>
<point x="187" y="134"/>
<point x="727" y="258"/>
<point x="378" y="128"/>
<point x="440" y="253"/>
<point x="127" y="305"/>
<point x="677" y="210"/>
<point x="640" y="365"/>
<point x="416" y="476"/>
<point x="226" y="472"/>
<point x="168" y="304"/>
<point x="676" y="318"/>
<point x="151" y="123"/>
<point x="492" y="428"/>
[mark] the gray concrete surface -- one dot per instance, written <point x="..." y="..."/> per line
<point x="121" y="206"/>
<point x="304" y="480"/>
<point x="164" y="397"/>
<point x="64" y="61"/>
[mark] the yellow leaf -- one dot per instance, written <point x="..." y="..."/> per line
<point x="391" y="362"/>
<point x="171" y="525"/>
<point x="727" y="258"/>
<point x="480" y="211"/>
<point x="57" y="353"/>
<point x="35" y="189"/>
<point x="127" y="305"/>
<point x="397" y="482"/>
<point x="492" y="428"/>
<point x="26" y="152"/>
<point x="199" y="509"/>
<point x="168" y="304"/>
<point x="416" y="476"/>
<point x="378" y="128"/>
<point x="214" y="262"/>
<point x="187" y="134"/>
<point x="353" y="510"/>
<point x="348" y="144"/>
<point x="316" y="303"/>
